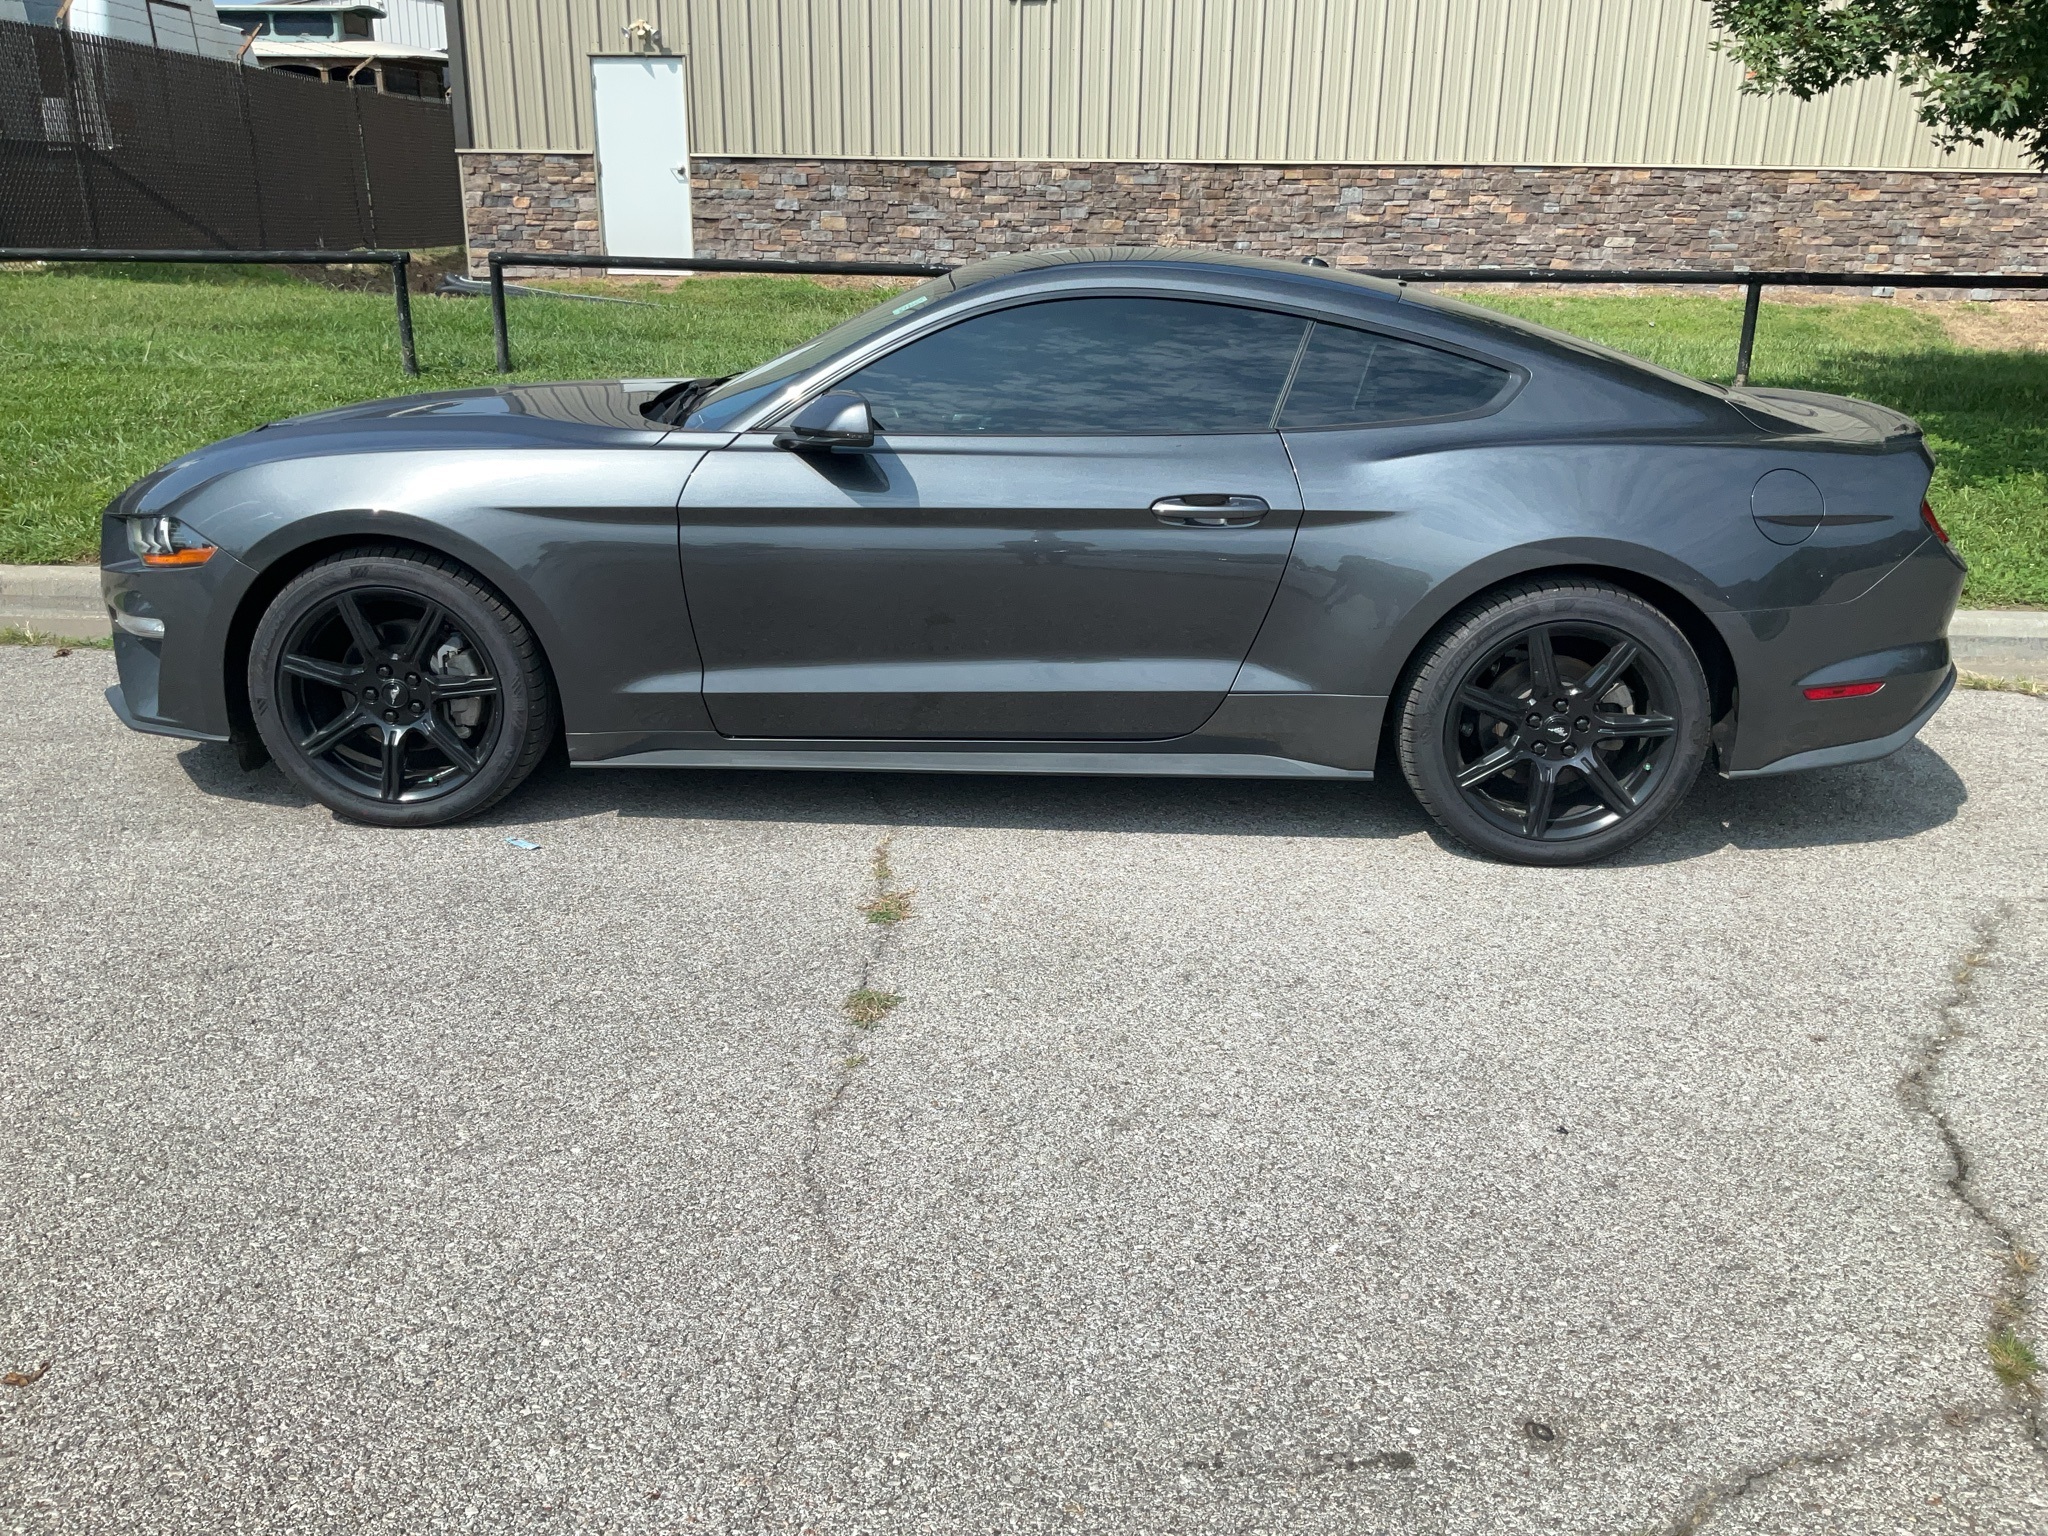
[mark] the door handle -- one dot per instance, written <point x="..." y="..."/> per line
<point x="1209" y="510"/>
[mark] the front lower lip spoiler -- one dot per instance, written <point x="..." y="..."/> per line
<point x="1855" y="751"/>
<point x="119" y="705"/>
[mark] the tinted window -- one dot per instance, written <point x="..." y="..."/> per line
<point x="742" y="392"/>
<point x="1351" y="378"/>
<point x="1089" y="366"/>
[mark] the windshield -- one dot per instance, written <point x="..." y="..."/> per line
<point x="737" y="395"/>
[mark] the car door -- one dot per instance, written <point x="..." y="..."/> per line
<point x="1070" y="526"/>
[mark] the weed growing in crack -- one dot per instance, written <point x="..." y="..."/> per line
<point x="886" y="905"/>
<point x="865" y="1007"/>
<point x="1991" y="684"/>
<point x="889" y="907"/>
<point x="2014" y="1359"/>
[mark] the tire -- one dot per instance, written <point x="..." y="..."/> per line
<point x="397" y="689"/>
<point x="1508" y="772"/>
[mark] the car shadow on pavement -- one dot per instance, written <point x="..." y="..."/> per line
<point x="1911" y="792"/>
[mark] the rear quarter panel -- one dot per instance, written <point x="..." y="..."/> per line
<point x="1403" y="525"/>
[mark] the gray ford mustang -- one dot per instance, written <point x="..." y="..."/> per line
<point x="1106" y="512"/>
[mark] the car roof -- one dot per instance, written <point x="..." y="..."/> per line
<point x="1169" y="256"/>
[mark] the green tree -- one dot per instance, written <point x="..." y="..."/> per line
<point x="1976" y="67"/>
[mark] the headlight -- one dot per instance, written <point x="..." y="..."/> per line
<point x="163" y="540"/>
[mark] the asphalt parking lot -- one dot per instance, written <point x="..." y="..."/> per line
<point x="1239" y="1157"/>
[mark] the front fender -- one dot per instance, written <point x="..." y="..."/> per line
<point x="582" y="542"/>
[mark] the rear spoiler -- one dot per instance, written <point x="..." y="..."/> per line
<point x="1805" y="412"/>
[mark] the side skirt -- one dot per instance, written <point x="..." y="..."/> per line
<point x="1204" y="765"/>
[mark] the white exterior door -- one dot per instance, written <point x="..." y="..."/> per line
<point x="643" y="155"/>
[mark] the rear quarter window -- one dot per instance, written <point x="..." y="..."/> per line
<point x="1352" y="378"/>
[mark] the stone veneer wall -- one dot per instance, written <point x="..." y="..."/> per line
<point x="529" y="202"/>
<point x="1384" y="216"/>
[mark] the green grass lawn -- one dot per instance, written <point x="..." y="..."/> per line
<point x="105" y="373"/>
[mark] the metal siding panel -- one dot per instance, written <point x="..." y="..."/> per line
<point x="1123" y="83"/>
<point x="1517" y="82"/>
<point x="742" y="52"/>
<point x="1002" y="69"/>
<point x="1424" y="125"/>
<point x="1515" y="87"/>
<point x="1341" y="75"/>
<point x="1070" y="92"/>
<point x="1459" y="77"/>
<point x="1581" y="43"/>
<point x="1299" y="111"/>
<point x="1545" y="123"/>
<point x="942" y="67"/>
<point x="1390" y="73"/>
<point x="974" y="75"/>
<point x="852" y="81"/>
<point x="917" y="77"/>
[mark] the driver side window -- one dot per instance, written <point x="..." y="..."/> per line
<point x="1074" y="367"/>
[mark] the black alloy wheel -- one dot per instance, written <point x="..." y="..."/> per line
<point x="364" y="699"/>
<point x="1556" y="724"/>
<point x="397" y="689"/>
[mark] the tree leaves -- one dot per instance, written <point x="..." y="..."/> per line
<point x="1976" y="67"/>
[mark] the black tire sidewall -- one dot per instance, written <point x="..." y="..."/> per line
<point x="1484" y="627"/>
<point x="519" y="699"/>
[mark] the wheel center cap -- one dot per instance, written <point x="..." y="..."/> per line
<point x="394" y="693"/>
<point x="1556" y="729"/>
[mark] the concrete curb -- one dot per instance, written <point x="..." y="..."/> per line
<point x="63" y="601"/>
<point x="2000" y="643"/>
<point x="60" y="601"/>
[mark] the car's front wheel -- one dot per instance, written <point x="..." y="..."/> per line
<point x="1555" y="722"/>
<point x="395" y="687"/>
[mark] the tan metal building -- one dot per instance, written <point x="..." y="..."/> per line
<point x="597" y="101"/>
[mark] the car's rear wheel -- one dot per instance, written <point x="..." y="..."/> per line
<point x="1555" y="722"/>
<point x="397" y="688"/>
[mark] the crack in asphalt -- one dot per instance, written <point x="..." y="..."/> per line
<point x="1916" y="1090"/>
<point x="841" y="1303"/>
<point x="2013" y="1298"/>
<point x="1836" y="1453"/>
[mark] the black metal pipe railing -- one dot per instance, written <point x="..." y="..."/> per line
<point x="398" y="261"/>
<point x="501" y="330"/>
<point x="1752" y="283"/>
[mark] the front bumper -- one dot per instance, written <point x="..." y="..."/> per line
<point x="1855" y="751"/>
<point x="173" y="683"/>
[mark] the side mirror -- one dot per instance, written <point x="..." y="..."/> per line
<point x="837" y="420"/>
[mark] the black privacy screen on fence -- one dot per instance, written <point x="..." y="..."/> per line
<point x="115" y="145"/>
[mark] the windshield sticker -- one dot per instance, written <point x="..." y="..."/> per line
<point x="904" y="309"/>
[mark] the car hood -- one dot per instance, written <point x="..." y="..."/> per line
<point x="604" y="403"/>
<point x="594" y="413"/>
